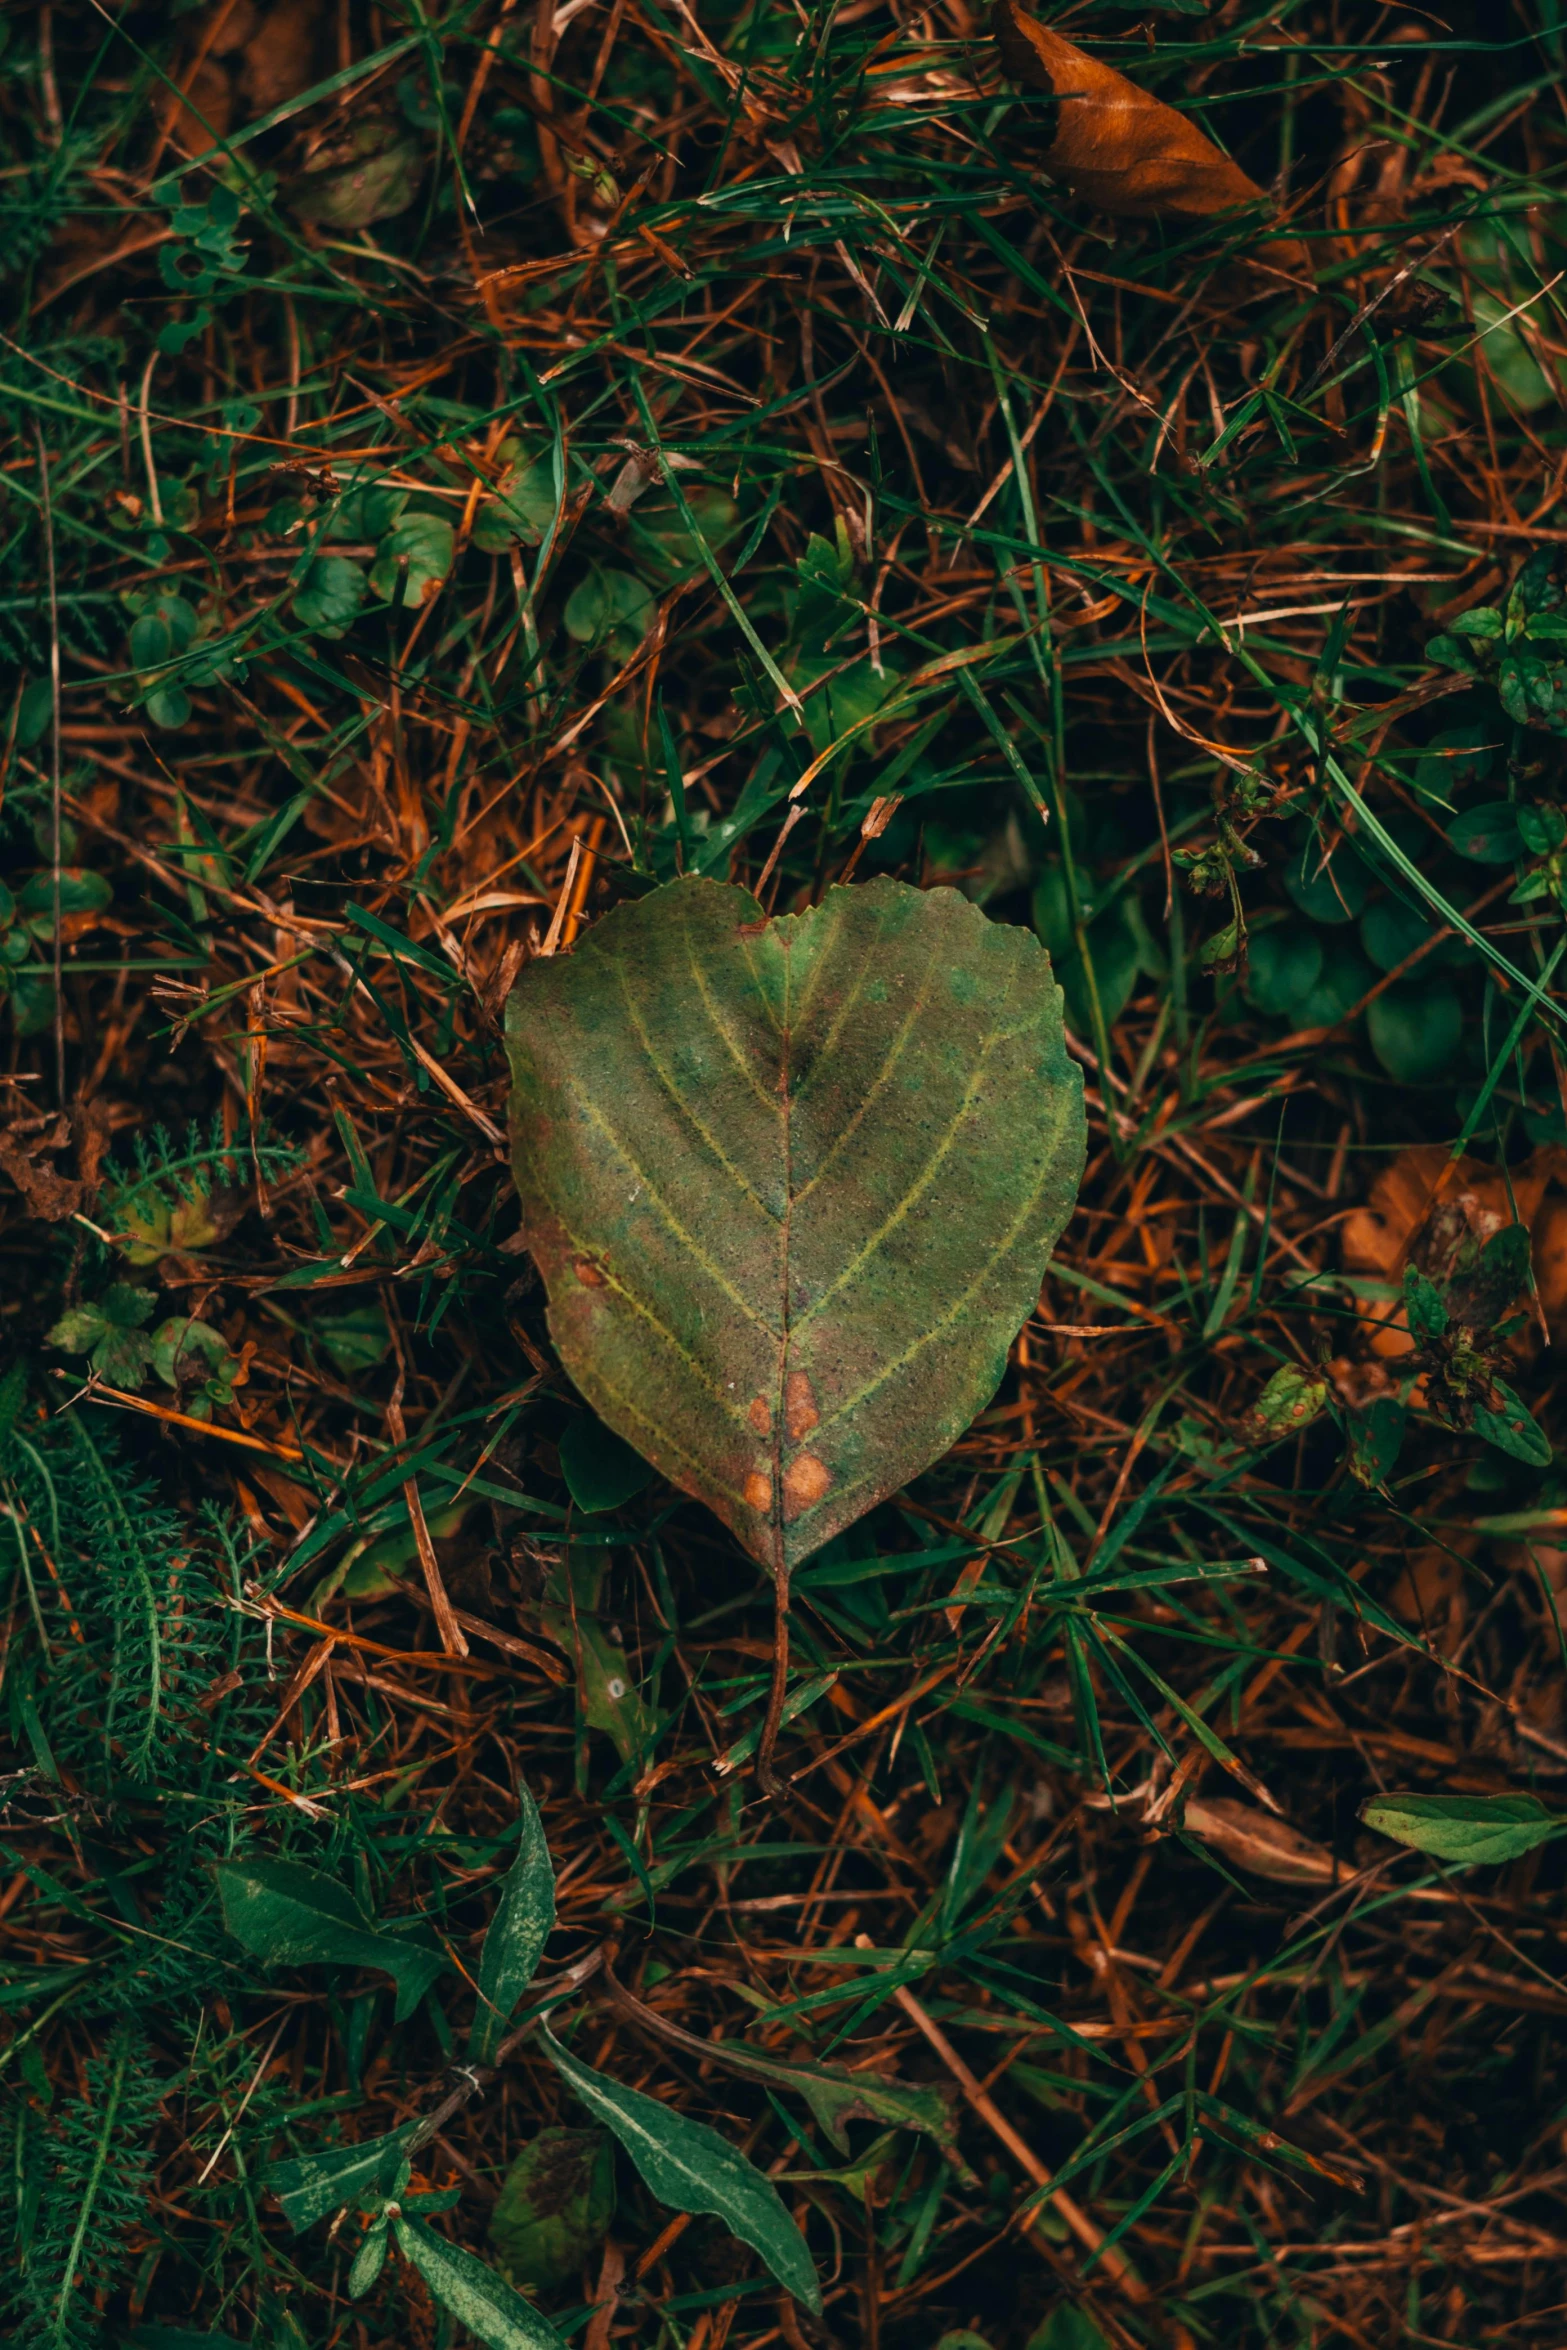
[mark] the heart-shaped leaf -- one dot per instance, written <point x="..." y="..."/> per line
<point x="792" y="1184"/>
<point x="329" y="594"/>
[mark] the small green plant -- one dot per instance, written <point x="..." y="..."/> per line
<point x="1520" y="648"/>
<point x="290" y="1916"/>
<point x="181" y="1198"/>
<point x="1458" y="1315"/>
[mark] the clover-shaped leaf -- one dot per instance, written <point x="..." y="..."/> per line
<point x="417" y="553"/>
<point x="328" y="596"/>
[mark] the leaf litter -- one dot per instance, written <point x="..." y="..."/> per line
<point x="474" y="470"/>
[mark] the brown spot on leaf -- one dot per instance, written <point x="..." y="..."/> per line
<point x="760" y="1417"/>
<point x="589" y="1274"/>
<point x="805" y="1481"/>
<point x="800" y="1412"/>
<point x="759" y="1491"/>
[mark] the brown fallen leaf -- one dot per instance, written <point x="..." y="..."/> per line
<point x="1429" y="1589"/>
<point x="222" y="28"/>
<point x="49" y="1196"/>
<point x="1256" y="1841"/>
<point x="1548" y="1231"/>
<point x="204" y="112"/>
<point x="280" y="55"/>
<point x="1424" y="1206"/>
<point x="1125" y="151"/>
<point x="91" y="1131"/>
<point x="369" y="172"/>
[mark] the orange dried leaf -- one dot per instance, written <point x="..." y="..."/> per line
<point x="1125" y="151"/>
<point x="1253" y="1840"/>
<point x="280" y="55"/>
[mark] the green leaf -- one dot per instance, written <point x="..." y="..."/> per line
<point x="1508" y="358"/>
<point x="606" y="1688"/>
<point x="1291" y="1401"/>
<point x="1423" y="1304"/>
<point x="1346" y="975"/>
<point x="184" y="1349"/>
<point x="123" y="1358"/>
<point x="1541" y="828"/>
<point x="835" y="2096"/>
<point x="417" y="552"/>
<point x="612" y="608"/>
<point x="151" y="642"/>
<point x="517" y="1934"/>
<point x="32" y="1002"/>
<point x="824" y="605"/>
<point x="174" y="2338"/>
<point x="845" y="700"/>
<point x="1114" y="950"/>
<point x="472" y="2291"/>
<point x="555" y="2206"/>
<point x="1376" y="1438"/>
<point x="522" y="509"/>
<point x="1463" y="1828"/>
<point x="601" y="1470"/>
<point x="35" y="711"/>
<point x="329" y="595"/>
<point x="109" y="1333"/>
<point x="369" y="2260"/>
<point x="1068" y="2328"/>
<point x="1489" y="835"/>
<point x="78" y="1329"/>
<point x="665" y="549"/>
<point x="178" y="618"/>
<point x="1527" y="686"/>
<point x="373" y="174"/>
<point x="1453" y="760"/>
<point x="122" y="1307"/>
<point x="311" y="2185"/>
<point x="691" y="2168"/>
<point x="1503" y="1268"/>
<point x="1452" y="652"/>
<point x="168" y="706"/>
<point x="355" y="1341"/>
<point x="1513" y="1429"/>
<point x="81" y="892"/>
<point x="287" y="1915"/>
<point x="1415" y="1029"/>
<point x="1329" y="886"/>
<point x="1283" y="965"/>
<point x="1221" y="952"/>
<point x="1481" y="620"/>
<point x="366" y="513"/>
<point x="1390" y="930"/>
<point x="792" y="1184"/>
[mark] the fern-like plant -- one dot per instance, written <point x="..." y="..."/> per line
<point x="84" y="2173"/>
<point x="121" y="1596"/>
<point x="186" y="1195"/>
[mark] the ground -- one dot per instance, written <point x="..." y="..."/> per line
<point x="463" y="470"/>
